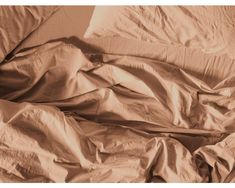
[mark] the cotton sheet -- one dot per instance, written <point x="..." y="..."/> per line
<point x="115" y="116"/>
<point x="208" y="28"/>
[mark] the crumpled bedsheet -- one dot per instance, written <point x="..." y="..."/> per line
<point x="69" y="116"/>
<point x="209" y="28"/>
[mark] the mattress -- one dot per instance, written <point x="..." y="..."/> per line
<point x="113" y="109"/>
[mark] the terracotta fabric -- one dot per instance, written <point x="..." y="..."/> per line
<point x="49" y="146"/>
<point x="209" y="28"/>
<point x="17" y="22"/>
<point x="67" y="21"/>
<point x="116" y="114"/>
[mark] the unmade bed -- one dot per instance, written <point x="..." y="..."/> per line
<point x="134" y="97"/>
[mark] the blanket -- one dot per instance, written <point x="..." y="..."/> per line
<point x="116" y="115"/>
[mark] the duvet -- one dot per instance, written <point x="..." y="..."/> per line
<point x="71" y="115"/>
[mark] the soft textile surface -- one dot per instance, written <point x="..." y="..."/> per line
<point x="209" y="28"/>
<point x="67" y="21"/>
<point x="48" y="146"/>
<point x="121" y="118"/>
<point x="17" y="22"/>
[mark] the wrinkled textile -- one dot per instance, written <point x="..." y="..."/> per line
<point x="17" y="22"/>
<point x="112" y="118"/>
<point x="209" y="28"/>
<point x="49" y="145"/>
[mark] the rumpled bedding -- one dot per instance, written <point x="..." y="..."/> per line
<point x="209" y="28"/>
<point x="18" y="22"/>
<point x="69" y="115"/>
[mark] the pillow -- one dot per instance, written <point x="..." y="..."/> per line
<point x="210" y="28"/>
<point x="17" y="22"/>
